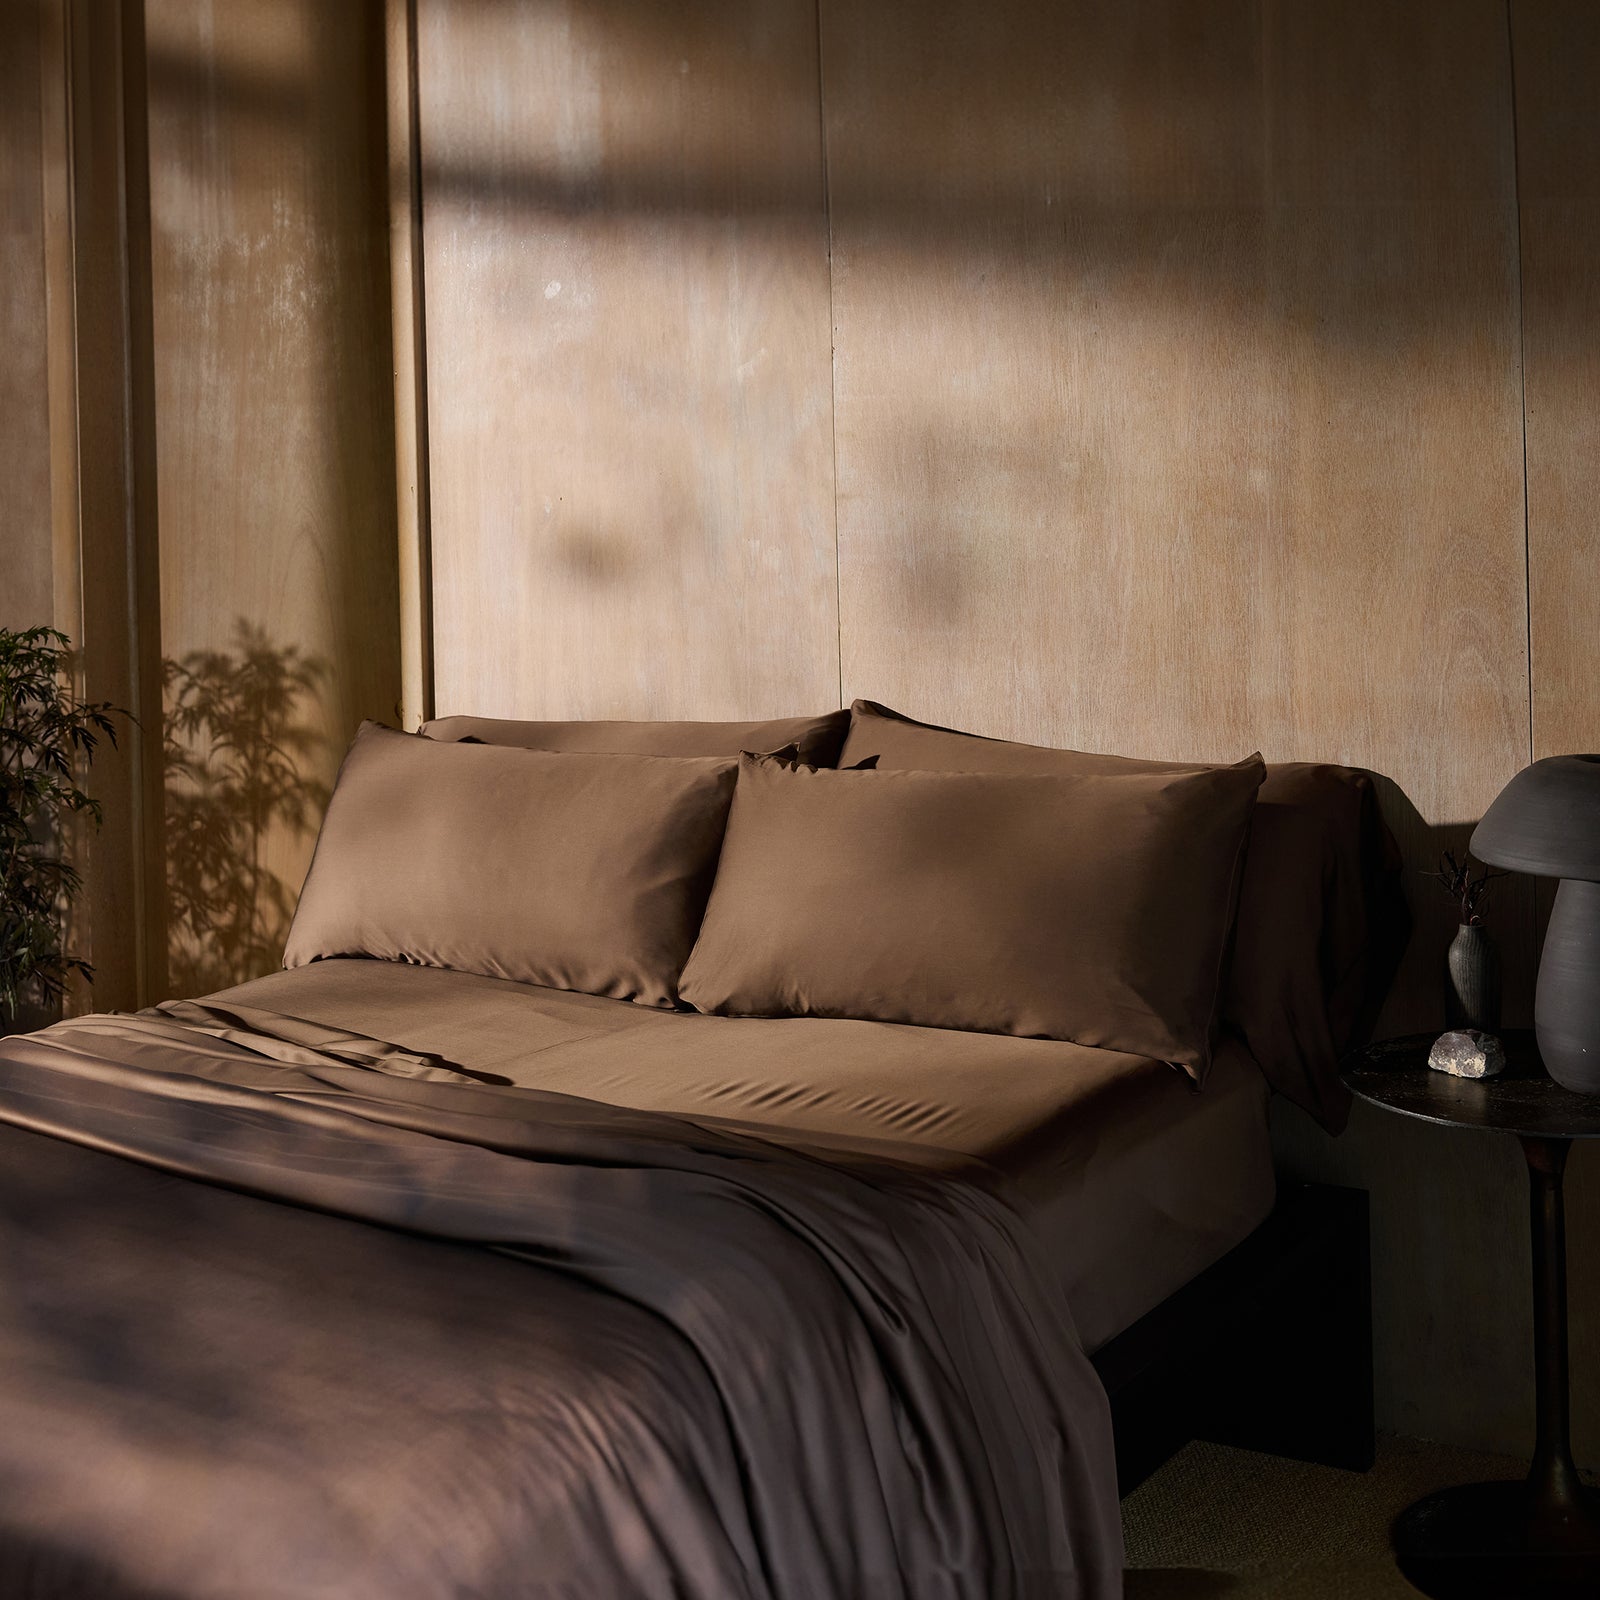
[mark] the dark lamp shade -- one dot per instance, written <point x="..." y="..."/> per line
<point x="1546" y="821"/>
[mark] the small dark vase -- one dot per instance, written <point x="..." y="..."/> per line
<point x="1472" y="992"/>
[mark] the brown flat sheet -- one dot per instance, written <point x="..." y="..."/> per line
<point x="1133" y="1181"/>
<point x="715" y="1367"/>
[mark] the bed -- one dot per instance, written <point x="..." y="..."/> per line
<point x="1132" y="1181"/>
<point x="381" y="1277"/>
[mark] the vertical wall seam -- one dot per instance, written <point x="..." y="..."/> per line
<point x="1522" y="369"/>
<point x="142" y="509"/>
<point x="833" y="361"/>
<point x="408" y="347"/>
<point x="61" y="359"/>
<point x="59" y="211"/>
<point x="420" y="336"/>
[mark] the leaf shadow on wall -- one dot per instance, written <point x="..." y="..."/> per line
<point x="239" y="741"/>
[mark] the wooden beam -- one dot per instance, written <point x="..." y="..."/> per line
<point x="61" y="338"/>
<point x="103" y="484"/>
<point x="410" y="363"/>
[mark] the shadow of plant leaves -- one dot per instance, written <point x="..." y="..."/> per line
<point x="237" y="744"/>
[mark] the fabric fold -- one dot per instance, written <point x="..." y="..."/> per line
<point x="890" y="1399"/>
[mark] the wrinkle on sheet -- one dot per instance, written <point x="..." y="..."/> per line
<point x="895" y="1404"/>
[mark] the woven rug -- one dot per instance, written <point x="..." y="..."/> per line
<point x="1230" y="1523"/>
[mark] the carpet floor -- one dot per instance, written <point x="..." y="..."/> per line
<point x="1230" y="1523"/>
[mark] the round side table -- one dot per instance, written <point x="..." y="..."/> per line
<point x="1539" y="1537"/>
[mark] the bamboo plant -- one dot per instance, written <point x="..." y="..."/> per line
<point x="47" y="740"/>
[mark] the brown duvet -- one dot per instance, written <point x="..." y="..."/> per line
<point x="585" y="1352"/>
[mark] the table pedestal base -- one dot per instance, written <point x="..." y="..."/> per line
<point x="1541" y="1537"/>
<point x="1482" y="1540"/>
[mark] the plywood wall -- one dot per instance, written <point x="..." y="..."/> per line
<point x="279" y="609"/>
<point x="630" y="418"/>
<point x="1142" y="376"/>
<point x="1451" y="1252"/>
<point x="1557" y="45"/>
<point x="74" y="375"/>
<point x="26" y="583"/>
<point x="1177" y="391"/>
<point x="1558" y="148"/>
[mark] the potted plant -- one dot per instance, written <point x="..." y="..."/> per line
<point x="47" y="740"/>
<point x="1472" y="964"/>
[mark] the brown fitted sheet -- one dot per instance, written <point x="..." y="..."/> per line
<point x="1134" y="1181"/>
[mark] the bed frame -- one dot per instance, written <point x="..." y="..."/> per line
<point x="1269" y="1349"/>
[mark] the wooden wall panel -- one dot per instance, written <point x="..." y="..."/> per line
<point x="408" y="305"/>
<point x="1178" y="410"/>
<point x="75" y="368"/>
<point x="1397" y="321"/>
<point x="627" y="318"/>
<point x="1556" y="48"/>
<point x="279" y="608"/>
<point x="1177" y="394"/>
<point x="101" y="390"/>
<point x="1397" y="227"/>
<point x="1178" y="413"/>
<point x="1449" y="1213"/>
<point x="26" y="585"/>
<point x="1052" y="389"/>
<point x="1557" y="52"/>
<point x="1170" y="373"/>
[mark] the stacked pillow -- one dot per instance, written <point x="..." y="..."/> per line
<point x="816" y="740"/>
<point x="1085" y="898"/>
<point x="574" y="855"/>
<point x="1084" y="907"/>
<point x="1322" y="918"/>
<point x="573" y="870"/>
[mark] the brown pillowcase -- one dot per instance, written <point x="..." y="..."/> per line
<point x="574" y="871"/>
<point x="1090" y="908"/>
<point x="1321" y="923"/>
<point x="816" y="738"/>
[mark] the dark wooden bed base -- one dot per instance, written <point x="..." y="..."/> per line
<point x="1269" y="1349"/>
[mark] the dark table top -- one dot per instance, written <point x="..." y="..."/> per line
<point x="1524" y="1099"/>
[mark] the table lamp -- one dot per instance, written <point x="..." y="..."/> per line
<point x="1547" y="821"/>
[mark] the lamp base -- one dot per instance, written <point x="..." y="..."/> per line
<point x="1566" y="1010"/>
<point x="1481" y="1542"/>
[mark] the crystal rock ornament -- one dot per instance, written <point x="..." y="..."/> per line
<point x="1467" y="1054"/>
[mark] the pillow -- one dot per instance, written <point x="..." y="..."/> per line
<point x="816" y="738"/>
<point x="1322" y="921"/>
<point x="574" y="871"/>
<point x="1090" y="908"/>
